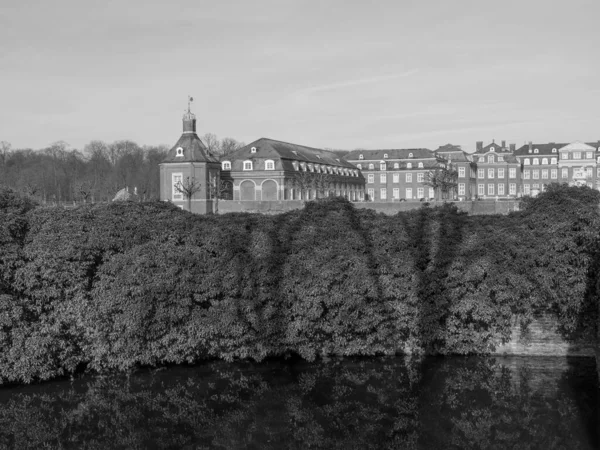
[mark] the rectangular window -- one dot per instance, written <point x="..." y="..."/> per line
<point x="500" y="173"/>
<point x="544" y="174"/>
<point x="409" y="177"/>
<point x="501" y="189"/>
<point x="383" y="178"/>
<point x="481" y="189"/>
<point x="420" y="177"/>
<point x="177" y="178"/>
<point x="490" y="173"/>
<point x="408" y="193"/>
<point x="371" y="194"/>
<point x="589" y="172"/>
<point x="513" y="189"/>
<point x="576" y="155"/>
<point x="420" y="192"/>
<point x="480" y="173"/>
<point x="383" y="194"/>
<point x="526" y="174"/>
<point x="461" y="188"/>
<point x="396" y="193"/>
<point x="396" y="178"/>
<point x="564" y="173"/>
<point x="589" y="155"/>
<point x="512" y="173"/>
<point x="526" y="190"/>
<point x="431" y="193"/>
<point x="491" y="189"/>
<point x="461" y="172"/>
<point x="554" y="174"/>
<point x="371" y="178"/>
<point x="536" y="174"/>
<point x="247" y="165"/>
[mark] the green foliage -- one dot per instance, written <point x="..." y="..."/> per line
<point x="124" y="285"/>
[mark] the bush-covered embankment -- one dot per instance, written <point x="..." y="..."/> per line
<point x="127" y="284"/>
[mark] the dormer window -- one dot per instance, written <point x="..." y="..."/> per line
<point x="253" y="150"/>
<point x="553" y="150"/>
<point x="410" y="155"/>
<point x="295" y="164"/>
<point x="529" y="151"/>
<point x="359" y="166"/>
<point x="420" y="165"/>
<point x="269" y="164"/>
<point x="311" y="167"/>
<point x="385" y="155"/>
<point x="247" y="165"/>
<point x="361" y="157"/>
<point x="409" y="165"/>
<point x="492" y="149"/>
<point x="179" y="151"/>
<point x="303" y="166"/>
<point x="226" y="165"/>
<point x="535" y="150"/>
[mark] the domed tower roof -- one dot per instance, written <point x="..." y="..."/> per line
<point x="189" y="147"/>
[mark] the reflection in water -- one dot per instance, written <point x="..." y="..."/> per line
<point x="351" y="404"/>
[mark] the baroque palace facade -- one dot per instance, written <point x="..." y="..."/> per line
<point x="271" y="170"/>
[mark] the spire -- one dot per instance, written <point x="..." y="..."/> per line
<point x="189" y="118"/>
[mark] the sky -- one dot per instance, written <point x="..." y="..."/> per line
<point x="329" y="73"/>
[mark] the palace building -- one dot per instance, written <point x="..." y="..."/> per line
<point x="498" y="171"/>
<point x="467" y="170"/>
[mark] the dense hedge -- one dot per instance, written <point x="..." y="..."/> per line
<point x="127" y="284"/>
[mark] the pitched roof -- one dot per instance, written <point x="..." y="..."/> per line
<point x="497" y="148"/>
<point x="453" y="152"/>
<point x="581" y="146"/>
<point x="193" y="148"/>
<point x="543" y="149"/>
<point x="270" y="148"/>
<point x="379" y="155"/>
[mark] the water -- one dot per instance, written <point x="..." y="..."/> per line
<point x="435" y="403"/>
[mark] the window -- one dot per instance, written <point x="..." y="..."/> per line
<point x="396" y="193"/>
<point x="410" y="155"/>
<point x="553" y="161"/>
<point x="381" y="165"/>
<point x="371" y="166"/>
<point x="544" y="161"/>
<point x="576" y="155"/>
<point x="361" y="157"/>
<point x="480" y="173"/>
<point x="359" y="166"/>
<point x="536" y="174"/>
<point x="177" y="179"/>
<point x="383" y="193"/>
<point x="500" y="173"/>
<point x="500" y="158"/>
<point x="179" y="151"/>
<point x="565" y="173"/>
<point x="253" y="150"/>
<point x="383" y="178"/>
<point x="536" y="161"/>
<point x="226" y="165"/>
<point x="564" y="155"/>
<point x="481" y="189"/>
<point x="408" y="193"/>
<point x="371" y="178"/>
<point x="526" y="189"/>
<point x="491" y="189"/>
<point x="512" y="189"/>
<point x="490" y="173"/>
<point x="270" y="165"/>
<point x="409" y="165"/>
<point x="535" y="150"/>
<point x="247" y="165"/>
<point x="589" y="172"/>
<point x="554" y="174"/>
<point x="420" y="192"/>
<point x="526" y="162"/>
<point x="544" y="174"/>
<point x="420" y="177"/>
<point x="461" y="188"/>
<point x="461" y="172"/>
<point x="589" y="155"/>
<point x="526" y="174"/>
<point x="501" y="189"/>
<point x="420" y="165"/>
<point x="396" y="166"/>
<point x="512" y="173"/>
<point x="371" y="194"/>
<point x="385" y="155"/>
<point x="553" y="150"/>
<point x="491" y="159"/>
<point x="492" y="149"/>
<point x="409" y="177"/>
<point x="431" y="193"/>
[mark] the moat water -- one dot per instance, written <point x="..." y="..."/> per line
<point x="434" y="403"/>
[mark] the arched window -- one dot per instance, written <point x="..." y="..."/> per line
<point x="359" y="166"/>
<point x="536" y="161"/>
<point x="420" y="165"/>
<point x="371" y="166"/>
<point x="396" y="166"/>
<point x="269" y="164"/>
<point x="226" y="165"/>
<point x="179" y="151"/>
<point x="410" y="155"/>
<point x="253" y="150"/>
<point x="544" y="160"/>
<point x="526" y="162"/>
<point x="382" y="165"/>
<point x="553" y="161"/>
<point x="554" y="150"/>
<point x="247" y="165"/>
<point x="385" y="155"/>
<point x="492" y="149"/>
<point x="491" y="158"/>
<point x="409" y="165"/>
<point x="535" y="150"/>
<point x="361" y="157"/>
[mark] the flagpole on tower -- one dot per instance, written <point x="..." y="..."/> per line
<point x="190" y="100"/>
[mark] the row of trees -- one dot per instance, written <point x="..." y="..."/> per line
<point x="59" y="173"/>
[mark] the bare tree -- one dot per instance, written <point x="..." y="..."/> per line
<point x="304" y="181"/>
<point x="322" y="183"/>
<point x="188" y="188"/>
<point x="84" y="189"/>
<point x="443" y="180"/>
<point x="211" y="141"/>
<point x="230" y="145"/>
<point x="4" y="153"/>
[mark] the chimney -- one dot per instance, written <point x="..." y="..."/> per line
<point x="503" y="144"/>
<point x="513" y="147"/>
<point x="479" y="145"/>
<point x="530" y="146"/>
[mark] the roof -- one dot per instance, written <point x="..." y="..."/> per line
<point x="193" y="148"/>
<point x="508" y="158"/>
<point x="581" y="146"/>
<point x="124" y="195"/>
<point x="497" y="148"/>
<point x="273" y="149"/>
<point x="453" y="152"/>
<point x="379" y="155"/>
<point x="543" y="149"/>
